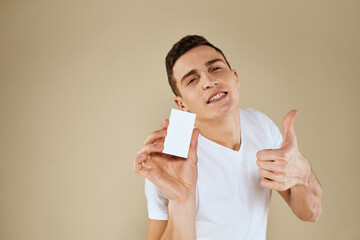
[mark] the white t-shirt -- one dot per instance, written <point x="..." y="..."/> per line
<point x="230" y="202"/>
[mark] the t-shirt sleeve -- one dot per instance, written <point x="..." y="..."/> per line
<point x="273" y="131"/>
<point x="157" y="203"/>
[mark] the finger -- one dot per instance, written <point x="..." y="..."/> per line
<point x="164" y="125"/>
<point x="160" y="141"/>
<point x="270" y="166"/>
<point x="289" y="131"/>
<point x="270" y="184"/>
<point x="141" y="170"/>
<point x="150" y="148"/>
<point x="271" y="154"/>
<point x="154" y="136"/>
<point x="194" y="142"/>
<point x="138" y="163"/>
<point x="158" y="157"/>
<point x="141" y="158"/>
<point x="149" y="163"/>
<point x="143" y="161"/>
<point x="278" y="177"/>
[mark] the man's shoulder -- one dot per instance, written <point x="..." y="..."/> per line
<point x="253" y="114"/>
<point x="255" y="118"/>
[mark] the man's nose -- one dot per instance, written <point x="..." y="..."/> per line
<point x="209" y="81"/>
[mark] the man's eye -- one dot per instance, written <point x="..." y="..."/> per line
<point x="191" y="81"/>
<point x="216" y="68"/>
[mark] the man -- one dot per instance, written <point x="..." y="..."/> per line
<point x="236" y="157"/>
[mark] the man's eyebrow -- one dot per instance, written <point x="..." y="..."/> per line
<point x="207" y="64"/>
<point x="188" y="74"/>
<point x="213" y="61"/>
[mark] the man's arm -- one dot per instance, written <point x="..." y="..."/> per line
<point x="289" y="172"/>
<point x="176" y="178"/>
<point x="181" y="223"/>
<point x="156" y="229"/>
<point x="305" y="199"/>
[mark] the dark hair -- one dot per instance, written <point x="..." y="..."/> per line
<point x="180" y="48"/>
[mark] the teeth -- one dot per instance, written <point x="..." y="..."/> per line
<point x="216" y="97"/>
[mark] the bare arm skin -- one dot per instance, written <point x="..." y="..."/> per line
<point x="156" y="229"/>
<point x="181" y="224"/>
<point x="305" y="199"/>
<point x="289" y="172"/>
<point x="176" y="178"/>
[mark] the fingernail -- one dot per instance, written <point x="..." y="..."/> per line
<point x="159" y="146"/>
<point x="142" y="155"/>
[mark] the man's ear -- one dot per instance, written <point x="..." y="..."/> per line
<point x="181" y="104"/>
<point x="236" y="78"/>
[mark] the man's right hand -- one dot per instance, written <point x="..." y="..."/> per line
<point x="176" y="177"/>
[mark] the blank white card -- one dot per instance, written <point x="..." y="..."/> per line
<point x="177" y="140"/>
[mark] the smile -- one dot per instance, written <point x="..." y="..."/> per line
<point x="217" y="97"/>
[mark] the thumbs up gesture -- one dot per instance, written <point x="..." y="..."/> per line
<point x="284" y="168"/>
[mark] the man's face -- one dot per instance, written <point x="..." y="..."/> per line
<point x="208" y="87"/>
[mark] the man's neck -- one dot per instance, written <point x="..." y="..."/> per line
<point x="224" y="131"/>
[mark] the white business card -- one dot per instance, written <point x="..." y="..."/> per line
<point x="177" y="140"/>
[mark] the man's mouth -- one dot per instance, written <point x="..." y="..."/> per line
<point x="217" y="97"/>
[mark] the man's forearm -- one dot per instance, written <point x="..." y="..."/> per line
<point x="181" y="223"/>
<point x="305" y="199"/>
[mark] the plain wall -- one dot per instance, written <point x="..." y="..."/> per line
<point x="82" y="83"/>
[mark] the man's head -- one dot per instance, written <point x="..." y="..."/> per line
<point x="201" y="78"/>
<point x="180" y="48"/>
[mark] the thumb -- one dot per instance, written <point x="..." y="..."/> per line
<point x="289" y="131"/>
<point x="194" y="143"/>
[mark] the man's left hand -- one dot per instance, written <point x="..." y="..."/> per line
<point x="286" y="167"/>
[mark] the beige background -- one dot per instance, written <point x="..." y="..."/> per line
<point x="82" y="83"/>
